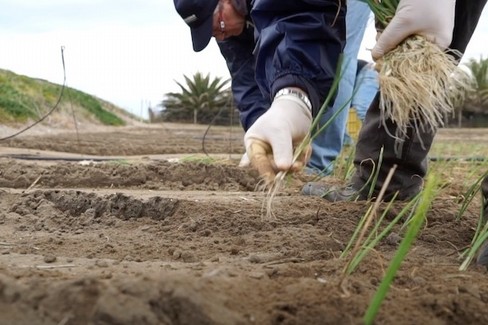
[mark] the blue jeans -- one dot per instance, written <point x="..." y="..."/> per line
<point x="365" y="89"/>
<point x="328" y="144"/>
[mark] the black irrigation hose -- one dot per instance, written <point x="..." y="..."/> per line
<point x="52" y="109"/>
<point x="481" y="159"/>
<point x="46" y="158"/>
<point x="33" y="157"/>
<point x="208" y="129"/>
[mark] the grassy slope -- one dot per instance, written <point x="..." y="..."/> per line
<point x="23" y="99"/>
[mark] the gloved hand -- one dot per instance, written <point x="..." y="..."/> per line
<point x="271" y="140"/>
<point x="433" y="19"/>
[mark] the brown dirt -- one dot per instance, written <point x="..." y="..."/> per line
<point x="135" y="238"/>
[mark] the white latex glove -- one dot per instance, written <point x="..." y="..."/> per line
<point x="433" y="19"/>
<point x="270" y="141"/>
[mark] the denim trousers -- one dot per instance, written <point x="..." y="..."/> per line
<point x="327" y="145"/>
<point x="365" y="89"/>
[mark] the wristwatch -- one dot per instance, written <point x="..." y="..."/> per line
<point x="298" y="94"/>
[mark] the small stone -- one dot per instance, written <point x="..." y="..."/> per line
<point x="176" y="254"/>
<point x="188" y="257"/>
<point x="129" y="258"/>
<point x="193" y="226"/>
<point x="418" y="280"/>
<point x="107" y="275"/>
<point x="393" y="239"/>
<point x="255" y="259"/>
<point x="257" y="275"/>
<point x="50" y="258"/>
<point x="101" y="263"/>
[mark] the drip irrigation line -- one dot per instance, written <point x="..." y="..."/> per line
<point x="51" y="110"/>
<point x="208" y="129"/>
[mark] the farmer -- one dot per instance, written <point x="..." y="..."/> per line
<point x="445" y="22"/>
<point x="296" y="58"/>
<point x="448" y="23"/>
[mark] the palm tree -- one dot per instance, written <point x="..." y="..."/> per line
<point x="201" y="95"/>
<point x="478" y="97"/>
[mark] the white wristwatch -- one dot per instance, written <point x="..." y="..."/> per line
<point x="300" y="95"/>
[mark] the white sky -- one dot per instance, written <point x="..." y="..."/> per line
<point x="124" y="51"/>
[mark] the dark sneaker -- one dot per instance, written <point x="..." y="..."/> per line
<point x="315" y="189"/>
<point x="482" y="258"/>
<point x="351" y="193"/>
<point x="332" y="193"/>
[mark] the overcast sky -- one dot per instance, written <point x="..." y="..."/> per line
<point x="124" y="51"/>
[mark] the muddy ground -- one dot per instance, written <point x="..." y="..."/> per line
<point x="134" y="226"/>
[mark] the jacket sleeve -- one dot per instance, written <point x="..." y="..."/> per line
<point x="298" y="45"/>
<point x="238" y="53"/>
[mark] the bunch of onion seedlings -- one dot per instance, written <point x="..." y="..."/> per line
<point x="420" y="83"/>
<point x="481" y="233"/>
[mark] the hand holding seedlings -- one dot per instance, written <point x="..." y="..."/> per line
<point x="409" y="19"/>
<point x="414" y="63"/>
<point x="271" y="140"/>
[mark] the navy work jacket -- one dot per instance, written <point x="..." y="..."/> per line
<point x="285" y="43"/>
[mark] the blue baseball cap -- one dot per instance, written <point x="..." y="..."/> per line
<point x="198" y="14"/>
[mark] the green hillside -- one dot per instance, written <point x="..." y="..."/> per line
<point x="24" y="99"/>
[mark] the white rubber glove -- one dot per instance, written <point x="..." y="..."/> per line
<point x="270" y="141"/>
<point x="433" y="19"/>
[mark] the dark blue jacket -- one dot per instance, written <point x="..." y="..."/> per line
<point x="293" y="43"/>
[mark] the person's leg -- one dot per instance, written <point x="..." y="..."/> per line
<point x="328" y="144"/>
<point x="366" y="87"/>
<point x="484" y="193"/>
<point x="376" y="148"/>
<point x="482" y="258"/>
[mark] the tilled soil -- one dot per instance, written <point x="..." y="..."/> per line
<point x="114" y="227"/>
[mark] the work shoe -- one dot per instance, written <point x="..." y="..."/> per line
<point x="351" y="193"/>
<point x="482" y="258"/>
<point x="332" y="193"/>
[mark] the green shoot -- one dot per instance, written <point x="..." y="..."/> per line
<point x="470" y="194"/>
<point x="371" y="242"/>
<point x="479" y="238"/>
<point x="428" y="195"/>
<point x="481" y="233"/>
<point x="367" y="221"/>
